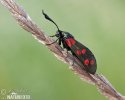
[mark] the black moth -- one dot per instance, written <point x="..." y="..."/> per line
<point x="84" y="55"/>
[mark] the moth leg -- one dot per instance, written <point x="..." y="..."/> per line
<point x="53" y="35"/>
<point x="59" y="41"/>
<point x="53" y="42"/>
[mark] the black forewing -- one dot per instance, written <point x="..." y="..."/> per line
<point x="88" y="55"/>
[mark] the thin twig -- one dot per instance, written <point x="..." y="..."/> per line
<point x="102" y="84"/>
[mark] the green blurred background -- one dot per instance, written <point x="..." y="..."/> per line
<point x="25" y="63"/>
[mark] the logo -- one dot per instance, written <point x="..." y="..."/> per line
<point x="15" y="94"/>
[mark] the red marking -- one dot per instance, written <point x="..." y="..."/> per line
<point x="78" y="52"/>
<point x="86" y="62"/>
<point x="70" y="42"/>
<point x="83" y="51"/>
<point x="92" y="62"/>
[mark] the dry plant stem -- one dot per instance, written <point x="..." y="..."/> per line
<point x="102" y="84"/>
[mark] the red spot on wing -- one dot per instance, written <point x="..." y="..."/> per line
<point x="78" y="52"/>
<point x="86" y="62"/>
<point x="70" y="42"/>
<point x="83" y="51"/>
<point x="92" y="62"/>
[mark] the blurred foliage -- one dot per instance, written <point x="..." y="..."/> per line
<point x="25" y="63"/>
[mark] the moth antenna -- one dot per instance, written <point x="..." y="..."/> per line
<point x="48" y="18"/>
